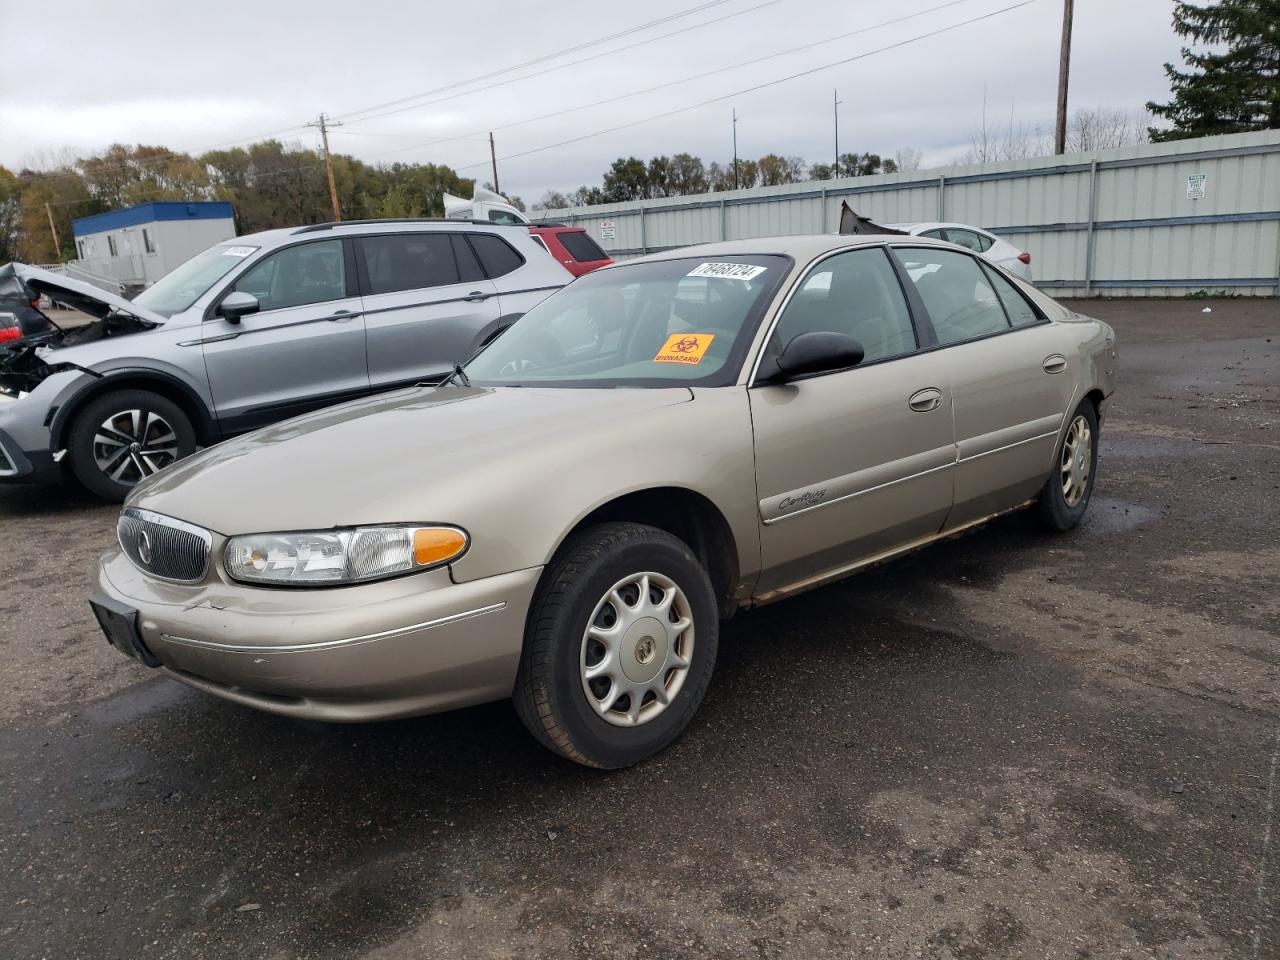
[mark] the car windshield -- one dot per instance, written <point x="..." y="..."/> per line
<point x="669" y="323"/>
<point x="180" y="288"/>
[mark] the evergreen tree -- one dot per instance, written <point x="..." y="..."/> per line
<point x="1232" y="87"/>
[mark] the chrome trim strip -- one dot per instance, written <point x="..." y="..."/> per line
<point x="171" y="523"/>
<point x="1007" y="446"/>
<point x="331" y="644"/>
<point x="857" y="493"/>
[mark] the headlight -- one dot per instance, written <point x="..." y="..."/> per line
<point x="340" y="556"/>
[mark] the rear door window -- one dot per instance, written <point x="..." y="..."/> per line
<point x="1018" y="308"/>
<point x="581" y="247"/>
<point x="955" y="290"/>
<point x="496" y="255"/>
<point x="967" y="239"/>
<point x="408" y="261"/>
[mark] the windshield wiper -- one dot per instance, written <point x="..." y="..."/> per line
<point x="458" y="374"/>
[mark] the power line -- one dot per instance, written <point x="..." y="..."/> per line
<point x="494" y="73"/>
<point x="756" y="87"/>
<point x="675" y="83"/>
<point x="563" y="66"/>
<point x="352" y="114"/>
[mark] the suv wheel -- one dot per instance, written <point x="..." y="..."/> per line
<point x="123" y="437"/>
<point x="619" y="647"/>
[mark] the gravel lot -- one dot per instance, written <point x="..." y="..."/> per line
<point x="1007" y="746"/>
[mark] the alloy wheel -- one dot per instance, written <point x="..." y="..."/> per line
<point x="133" y="444"/>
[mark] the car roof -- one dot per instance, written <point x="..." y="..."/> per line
<point x="802" y="248"/>
<point x="268" y="238"/>
<point x="934" y="225"/>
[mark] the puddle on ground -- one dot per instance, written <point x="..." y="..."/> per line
<point x="1109" y="515"/>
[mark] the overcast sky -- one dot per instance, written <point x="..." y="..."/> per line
<point x="194" y="76"/>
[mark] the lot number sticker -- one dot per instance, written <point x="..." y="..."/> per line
<point x="727" y="271"/>
<point x="1195" y="186"/>
<point x="688" y="348"/>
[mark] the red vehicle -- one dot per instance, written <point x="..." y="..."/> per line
<point x="572" y="247"/>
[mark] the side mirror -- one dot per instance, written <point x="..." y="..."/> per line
<point x="237" y="304"/>
<point x="816" y="353"/>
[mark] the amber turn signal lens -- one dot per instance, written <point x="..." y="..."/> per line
<point x="432" y="545"/>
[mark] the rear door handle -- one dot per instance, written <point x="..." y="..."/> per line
<point x="922" y="401"/>
<point x="342" y="316"/>
<point x="1054" y="363"/>
<point x="476" y="296"/>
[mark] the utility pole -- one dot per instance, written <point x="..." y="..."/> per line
<point x="835" y="109"/>
<point x="324" y="123"/>
<point x="735" y="148"/>
<point x="1064" y="69"/>
<point x="493" y="159"/>
<point x="54" y="230"/>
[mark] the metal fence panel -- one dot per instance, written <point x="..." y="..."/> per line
<point x="1135" y="208"/>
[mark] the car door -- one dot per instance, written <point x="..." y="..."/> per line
<point x="1006" y="367"/>
<point x="521" y="286"/>
<point x="304" y="348"/>
<point x="856" y="462"/>
<point x="427" y="305"/>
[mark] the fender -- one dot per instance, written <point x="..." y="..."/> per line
<point x="128" y="378"/>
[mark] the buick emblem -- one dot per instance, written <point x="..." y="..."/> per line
<point x="144" y="547"/>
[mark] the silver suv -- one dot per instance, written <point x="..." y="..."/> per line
<point x="252" y="331"/>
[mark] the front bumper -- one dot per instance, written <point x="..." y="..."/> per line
<point x="376" y="651"/>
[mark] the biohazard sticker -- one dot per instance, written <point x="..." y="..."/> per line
<point x="727" y="271"/>
<point x="685" y="348"/>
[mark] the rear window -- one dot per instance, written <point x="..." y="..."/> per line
<point x="408" y="261"/>
<point x="496" y="255"/>
<point x="581" y="247"/>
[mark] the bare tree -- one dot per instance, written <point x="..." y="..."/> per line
<point x="908" y="159"/>
<point x="1104" y="128"/>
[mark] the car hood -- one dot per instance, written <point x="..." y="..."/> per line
<point x="412" y="455"/>
<point x="79" y="294"/>
<point x="26" y="362"/>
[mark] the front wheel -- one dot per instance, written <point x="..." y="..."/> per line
<point x="619" y="647"/>
<point x="1065" y="495"/>
<point x="125" y="436"/>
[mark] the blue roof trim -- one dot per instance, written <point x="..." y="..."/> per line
<point x="150" y="213"/>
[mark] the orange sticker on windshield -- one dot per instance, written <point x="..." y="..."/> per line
<point x="684" y="348"/>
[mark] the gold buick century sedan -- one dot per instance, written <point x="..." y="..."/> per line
<point x="566" y="520"/>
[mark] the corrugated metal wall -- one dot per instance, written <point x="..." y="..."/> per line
<point x="1114" y="222"/>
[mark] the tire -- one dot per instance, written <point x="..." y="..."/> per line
<point x="1059" y="510"/>
<point x="121" y="437"/>
<point x="567" y="713"/>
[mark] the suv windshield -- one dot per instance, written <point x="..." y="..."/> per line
<point x="180" y="288"/>
<point x="674" y="322"/>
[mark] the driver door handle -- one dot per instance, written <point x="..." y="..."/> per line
<point x="342" y="316"/>
<point x="922" y="401"/>
<point x="476" y="296"/>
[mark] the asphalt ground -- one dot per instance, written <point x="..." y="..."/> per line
<point x="1008" y="745"/>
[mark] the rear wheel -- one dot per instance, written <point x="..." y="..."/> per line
<point x="1065" y="495"/>
<point x="125" y="436"/>
<point x="619" y="647"/>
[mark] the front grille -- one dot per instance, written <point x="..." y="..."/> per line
<point x="164" y="547"/>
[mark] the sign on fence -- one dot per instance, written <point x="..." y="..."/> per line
<point x="1195" y="186"/>
<point x="608" y="230"/>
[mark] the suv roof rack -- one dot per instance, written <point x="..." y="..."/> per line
<point x="317" y="227"/>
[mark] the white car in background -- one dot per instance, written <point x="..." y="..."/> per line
<point x="987" y="245"/>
